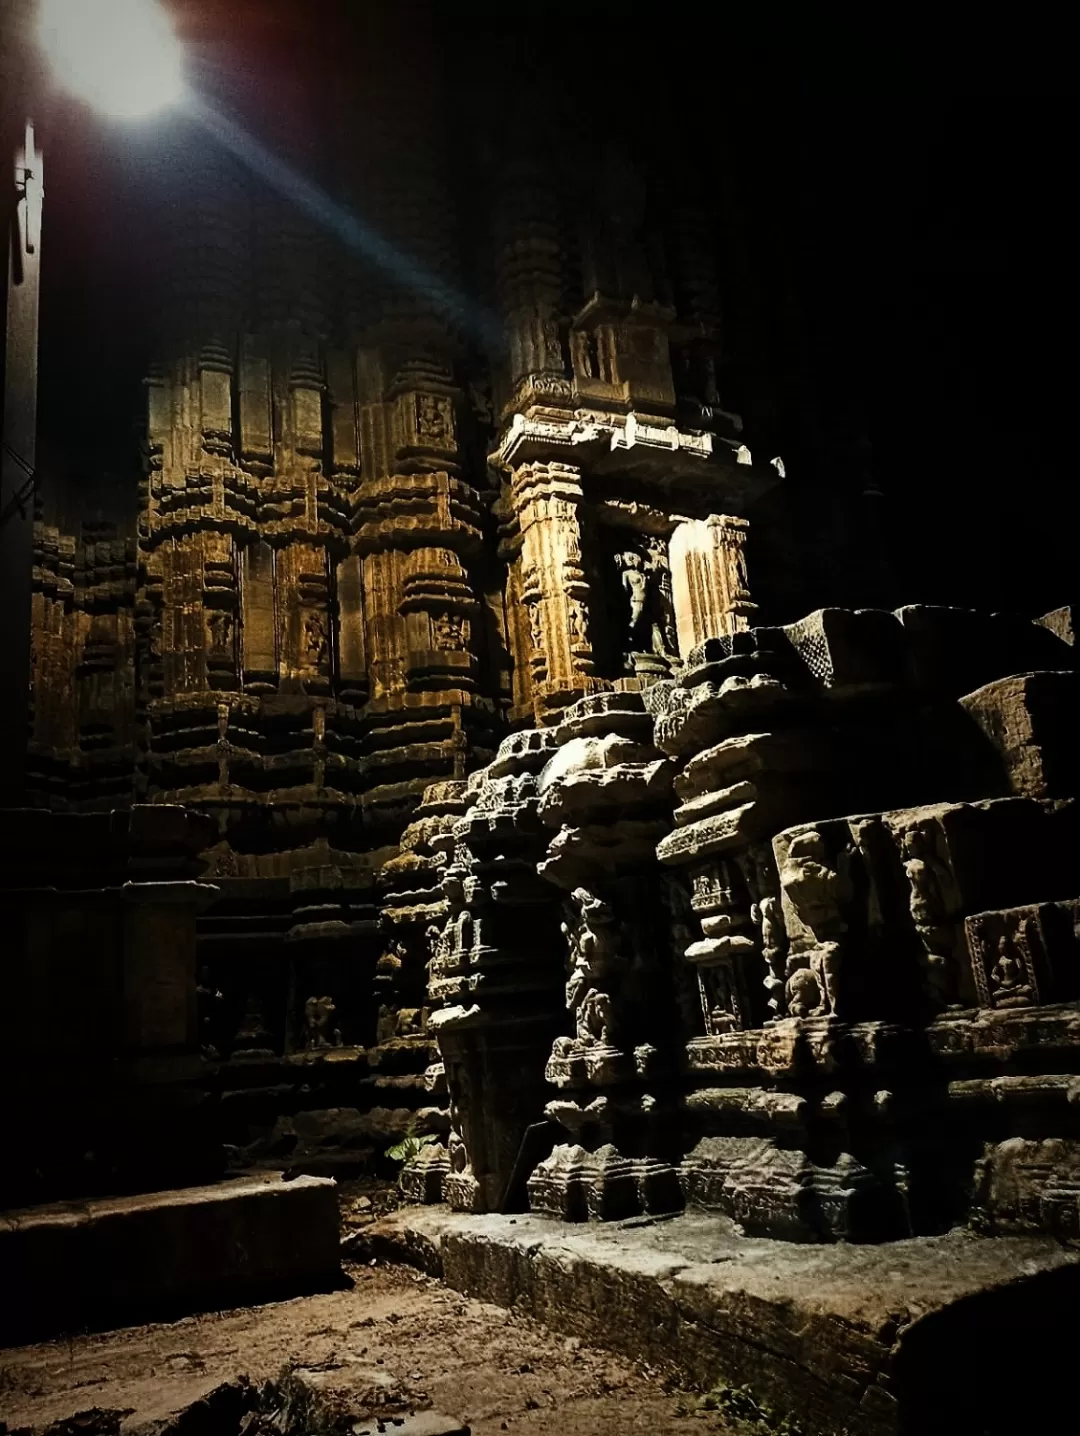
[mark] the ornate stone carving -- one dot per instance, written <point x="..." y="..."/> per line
<point x="593" y="943"/>
<point x="319" y="1029"/>
<point x="709" y="582"/>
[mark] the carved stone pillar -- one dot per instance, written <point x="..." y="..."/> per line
<point x="708" y="577"/>
<point x="553" y="585"/>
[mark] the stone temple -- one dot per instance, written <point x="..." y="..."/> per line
<point x="418" y="753"/>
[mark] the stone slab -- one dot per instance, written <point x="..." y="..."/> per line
<point x="862" y="1340"/>
<point x="72" y="1265"/>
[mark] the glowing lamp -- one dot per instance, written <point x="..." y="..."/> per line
<point x="120" y="56"/>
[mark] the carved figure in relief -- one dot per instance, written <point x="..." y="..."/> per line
<point x="803" y="993"/>
<point x="448" y="630"/>
<point x="457" y="1152"/>
<point x="392" y="960"/>
<point x="439" y="944"/>
<point x="739" y="577"/>
<point x="930" y="883"/>
<point x="220" y="630"/>
<point x="319" y="1031"/>
<point x="1009" y="983"/>
<point x="593" y="941"/>
<point x="316" y="642"/>
<point x="817" y="888"/>
<point x="433" y="420"/>
<point x="647" y="586"/>
<point x="636" y="587"/>
<point x="719" y="998"/>
<point x="767" y="912"/>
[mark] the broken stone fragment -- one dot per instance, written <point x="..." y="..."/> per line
<point x="1031" y="721"/>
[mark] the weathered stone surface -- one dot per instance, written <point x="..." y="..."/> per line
<point x="872" y="1340"/>
<point x="1031" y="720"/>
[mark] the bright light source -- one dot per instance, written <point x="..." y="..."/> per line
<point x="121" y="56"/>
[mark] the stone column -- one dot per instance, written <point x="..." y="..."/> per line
<point x="708" y="579"/>
<point x="553" y="584"/>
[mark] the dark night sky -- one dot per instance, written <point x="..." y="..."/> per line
<point x="892" y="203"/>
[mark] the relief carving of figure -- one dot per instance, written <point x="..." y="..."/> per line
<point x="646" y="582"/>
<point x="719" y="998"/>
<point x="536" y="627"/>
<point x="767" y="913"/>
<point x="457" y="1152"/>
<point x="1009" y="985"/>
<point x="574" y="622"/>
<point x="931" y="883"/>
<point x="319" y="1029"/>
<point x="433" y="420"/>
<point x="448" y="630"/>
<point x="221" y="630"/>
<point x="817" y="888"/>
<point x="316" y="642"/>
<point x="593" y="940"/>
<point x="803" y="993"/>
<point x="439" y="944"/>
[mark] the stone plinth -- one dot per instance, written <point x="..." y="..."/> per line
<point x="126" y="1259"/>
<point x="865" y="1340"/>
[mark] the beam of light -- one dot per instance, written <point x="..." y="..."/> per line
<point x="343" y="223"/>
<point x="120" y="56"/>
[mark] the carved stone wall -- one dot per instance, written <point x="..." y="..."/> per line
<point x="528" y="833"/>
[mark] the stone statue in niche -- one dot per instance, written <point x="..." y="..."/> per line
<point x="592" y="937"/>
<point x="766" y="913"/>
<point x="803" y="994"/>
<point x="221" y="631"/>
<point x="316" y="640"/>
<point x="719" y="997"/>
<point x="575" y="622"/>
<point x="448" y="630"/>
<point x="433" y="421"/>
<point x="319" y="1029"/>
<point x="740" y="582"/>
<point x="817" y="889"/>
<point x="457" y="1152"/>
<point x="931" y="884"/>
<point x="438" y="939"/>
<point x="646" y="584"/>
<point x="586" y="355"/>
<point x="1010" y="984"/>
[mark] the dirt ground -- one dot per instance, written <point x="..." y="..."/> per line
<point x="425" y="1344"/>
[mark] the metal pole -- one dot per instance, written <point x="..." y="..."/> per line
<point x="17" y="469"/>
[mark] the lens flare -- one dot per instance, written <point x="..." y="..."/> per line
<point x="120" y="56"/>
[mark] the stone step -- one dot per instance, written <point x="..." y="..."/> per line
<point x="96" y="1264"/>
<point x="931" y="1335"/>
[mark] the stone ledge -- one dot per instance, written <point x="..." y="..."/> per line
<point x="861" y="1340"/>
<point x="72" y="1265"/>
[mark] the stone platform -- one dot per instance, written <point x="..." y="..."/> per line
<point x="74" y="1265"/>
<point x="953" y="1333"/>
